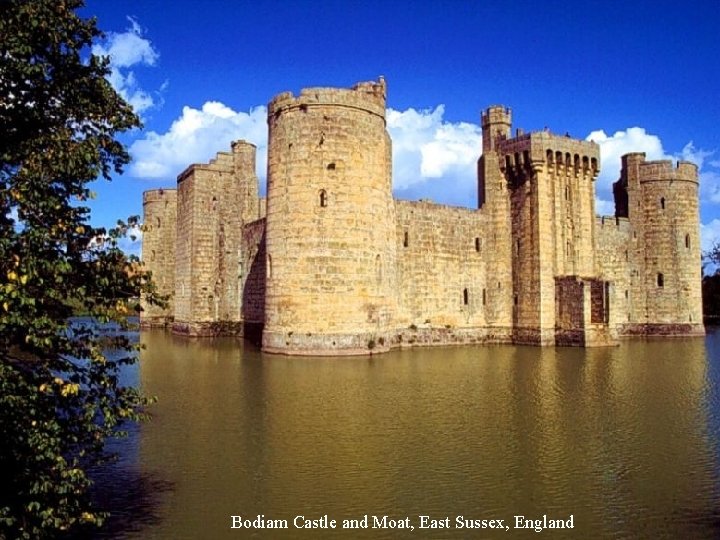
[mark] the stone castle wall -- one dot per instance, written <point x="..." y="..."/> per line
<point x="158" y="252"/>
<point x="253" y="272"/>
<point x="441" y="268"/>
<point x="214" y="202"/>
<point x="331" y="264"/>
<point x="616" y="263"/>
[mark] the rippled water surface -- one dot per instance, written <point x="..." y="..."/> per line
<point x="624" y="439"/>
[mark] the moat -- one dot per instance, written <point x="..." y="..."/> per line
<point x="624" y="439"/>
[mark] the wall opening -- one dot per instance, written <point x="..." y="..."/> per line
<point x="269" y="267"/>
<point x="599" y="302"/>
<point x="662" y="203"/>
<point x="214" y="203"/>
<point x="465" y="297"/>
<point x="405" y="239"/>
<point x="477" y="244"/>
<point x="331" y="167"/>
<point x="157" y="222"/>
<point x="660" y="280"/>
<point x="484" y="297"/>
<point x="323" y="198"/>
<point x="687" y="241"/>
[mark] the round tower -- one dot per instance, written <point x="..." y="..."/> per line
<point x="330" y="230"/>
<point x="158" y="251"/>
<point x="496" y="122"/>
<point x="671" y="276"/>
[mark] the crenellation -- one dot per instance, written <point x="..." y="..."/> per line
<point x="330" y="264"/>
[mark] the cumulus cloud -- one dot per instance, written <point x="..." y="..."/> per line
<point x="195" y="137"/>
<point x="709" y="174"/>
<point x="634" y="139"/>
<point x="125" y="50"/>
<point x="709" y="234"/>
<point x="427" y="147"/>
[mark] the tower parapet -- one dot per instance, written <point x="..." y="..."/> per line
<point x="366" y="96"/>
<point x="496" y="122"/>
<point x="666" y="170"/>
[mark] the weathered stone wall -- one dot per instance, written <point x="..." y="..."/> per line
<point x="215" y="200"/>
<point x="441" y="268"/>
<point x="330" y="222"/>
<point x="253" y="272"/>
<point x="616" y="263"/>
<point x="158" y="252"/>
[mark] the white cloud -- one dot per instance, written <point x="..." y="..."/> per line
<point x="634" y="139"/>
<point x="604" y="207"/>
<point x="195" y="137"/>
<point x="709" y="174"/>
<point x="710" y="186"/>
<point x="125" y="50"/>
<point x="709" y="234"/>
<point x="427" y="147"/>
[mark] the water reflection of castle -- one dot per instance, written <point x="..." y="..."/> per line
<point x="331" y="264"/>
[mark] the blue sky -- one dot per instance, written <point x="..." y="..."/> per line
<point x="633" y="76"/>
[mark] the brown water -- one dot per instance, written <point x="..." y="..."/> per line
<point x="623" y="439"/>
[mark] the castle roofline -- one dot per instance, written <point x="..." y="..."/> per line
<point x="667" y="169"/>
<point x="369" y="96"/>
<point x="547" y="146"/>
<point x="154" y="195"/>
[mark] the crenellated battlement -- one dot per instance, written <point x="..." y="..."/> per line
<point x="558" y="153"/>
<point x="667" y="170"/>
<point x="367" y="96"/>
<point x="496" y="114"/>
<point x="613" y="222"/>
<point x="158" y="195"/>
<point x="225" y="161"/>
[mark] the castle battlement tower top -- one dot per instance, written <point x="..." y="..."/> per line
<point x="366" y="96"/>
<point x="496" y="122"/>
<point x="634" y="167"/>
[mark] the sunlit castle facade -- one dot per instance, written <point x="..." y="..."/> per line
<point x="331" y="264"/>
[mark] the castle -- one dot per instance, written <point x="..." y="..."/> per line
<point x="331" y="264"/>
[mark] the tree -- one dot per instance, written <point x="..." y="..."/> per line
<point x="60" y="395"/>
